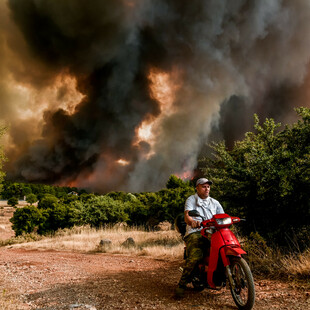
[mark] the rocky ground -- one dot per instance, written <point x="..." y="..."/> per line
<point x="74" y="281"/>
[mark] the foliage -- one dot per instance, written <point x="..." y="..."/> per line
<point x="68" y="198"/>
<point x="166" y="204"/>
<point x="58" y="217"/>
<point x="13" y="201"/>
<point x="26" y="220"/>
<point x="85" y="196"/>
<point x="101" y="210"/>
<point x="170" y="203"/>
<point x="266" y="177"/>
<point x="47" y="201"/>
<point x="20" y="190"/>
<point x="31" y="198"/>
<point x="175" y="182"/>
<point x="88" y="209"/>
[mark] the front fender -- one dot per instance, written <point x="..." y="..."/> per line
<point x="232" y="251"/>
<point x="235" y="251"/>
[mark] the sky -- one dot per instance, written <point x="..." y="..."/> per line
<point x="119" y="95"/>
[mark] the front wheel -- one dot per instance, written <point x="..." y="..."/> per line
<point x="242" y="289"/>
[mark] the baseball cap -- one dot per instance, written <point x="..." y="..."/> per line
<point x="203" y="181"/>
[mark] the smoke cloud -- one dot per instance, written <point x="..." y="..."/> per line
<point x="76" y="89"/>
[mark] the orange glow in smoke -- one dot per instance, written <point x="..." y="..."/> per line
<point x="71" y="96"/>
<point x="163" y="87"/>
<point x="123" y="162"/>
<point x="185" y="175"/>
<point x="68" y="184"/>
<point x="62" y="94"/>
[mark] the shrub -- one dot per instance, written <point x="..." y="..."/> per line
<point x="13" y="201"/>
<point x="26" y="220"/>
<point x="47" y="201"/>
<point x="31" y="198"/>
<point x="58" y="217"/>
<point x="101" y="210"/>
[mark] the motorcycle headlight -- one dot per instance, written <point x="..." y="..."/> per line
<point x="224" y="221"/>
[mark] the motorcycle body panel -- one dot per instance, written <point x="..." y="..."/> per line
<point x="223" y="244"/>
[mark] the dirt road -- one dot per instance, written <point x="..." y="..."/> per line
<point x="62" y="280"/>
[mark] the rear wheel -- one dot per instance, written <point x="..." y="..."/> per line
<point x="243" y="291"/>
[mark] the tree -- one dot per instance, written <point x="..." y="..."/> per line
<point x="10" y="189"/>
<point x="175" y="182"/>
<point x="31" y="198"/>
<point x="48" y="201"/>
<point x="25" y="190"/>
<point x="101" y="210"/>
<point x="170" y="203"/>
<point x="59" y="217"/>
<point x="26" y="220"/>
<point x="266" y="178"/>
<point x="13" y="201"/>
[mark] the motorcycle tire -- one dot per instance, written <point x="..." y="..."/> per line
<point x="244" y="291"/>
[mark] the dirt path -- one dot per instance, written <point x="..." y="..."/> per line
<point x="62" y="280"/>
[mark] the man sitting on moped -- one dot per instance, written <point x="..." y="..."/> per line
<point x="195" y="242"/>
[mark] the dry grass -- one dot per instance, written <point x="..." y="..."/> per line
<point x="263" y="260"/>
<point x="297" y="265"/>
<point x="270" y="262"/>
<point x="161" y="244"/>
<point x="6" y="213"/>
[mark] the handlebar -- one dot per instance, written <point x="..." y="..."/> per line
<point x="218" y="220"/>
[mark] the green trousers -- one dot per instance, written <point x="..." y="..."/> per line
<point x="196" y="246"/>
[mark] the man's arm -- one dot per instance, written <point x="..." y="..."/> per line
<point x="219" y="208"/>
<point x="190" y="221"/>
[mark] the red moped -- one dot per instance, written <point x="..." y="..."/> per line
<point x="223" y="262"/>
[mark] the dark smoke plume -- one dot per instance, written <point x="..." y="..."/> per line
<point x="233" y="59"/>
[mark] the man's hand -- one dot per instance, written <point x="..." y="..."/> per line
<point x="190" y="221"/>
<point x="195" y="224"/>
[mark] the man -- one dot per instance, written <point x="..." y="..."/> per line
<point x="195" y="242"/>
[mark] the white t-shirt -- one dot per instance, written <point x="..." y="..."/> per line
<point x="206" y="208"/>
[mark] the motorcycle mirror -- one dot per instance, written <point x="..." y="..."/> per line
<point x="194" y="213"/>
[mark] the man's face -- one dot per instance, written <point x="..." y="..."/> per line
<point x="203" y="190"/>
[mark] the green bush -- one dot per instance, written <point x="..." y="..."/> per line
<point x="31" y="198"/>
<point x="136" y="210"/>
<point x="59" y="217"/>
<point x="137" y="213"/>
<point x="166" y="204"/>
<point x="101" y="210"/>
<point x="13" y="201"/>
<point x="26" y="220"/>
<point x="47" y="201"/>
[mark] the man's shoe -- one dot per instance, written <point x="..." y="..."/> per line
<point x="179" y="292"/>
